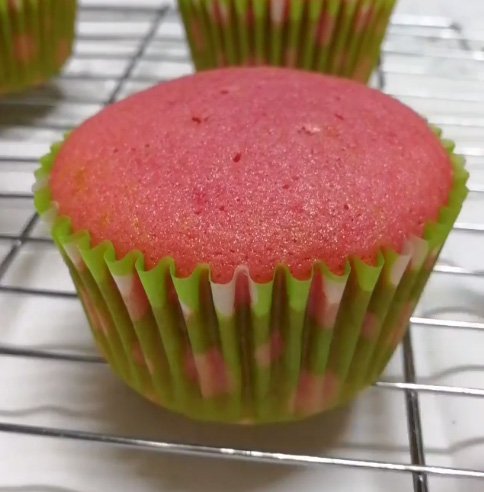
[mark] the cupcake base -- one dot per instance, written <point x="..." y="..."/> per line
<point x="340" y="37"/>
<point x="248" y="352"/>
<point x="35" y="41"/>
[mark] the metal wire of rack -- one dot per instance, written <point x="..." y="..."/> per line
<point x="135" y="48"/>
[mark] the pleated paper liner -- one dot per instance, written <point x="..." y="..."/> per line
<point x="244" y="351"/>
<point x="340" y="37"/>
<point x="36" y="39"/>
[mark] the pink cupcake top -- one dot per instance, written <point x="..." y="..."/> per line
<point x="256" y="167"/>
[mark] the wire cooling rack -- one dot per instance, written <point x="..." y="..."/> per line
<point x="423" y="423"/>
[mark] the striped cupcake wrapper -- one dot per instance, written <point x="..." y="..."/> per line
<point x="248" y="352"/>
<point x="35" y="41"/>
<point x="340" y="37"/>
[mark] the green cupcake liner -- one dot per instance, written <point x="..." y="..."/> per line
<point x="248" y="352"/>
<point x="340" y="37"/>
<point x="35" y="41"/>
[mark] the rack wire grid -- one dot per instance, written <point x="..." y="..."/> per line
<point x="420" y="428"/>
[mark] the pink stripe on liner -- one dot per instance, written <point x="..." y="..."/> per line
<point x="278" y="11"/>
<point x="24" y="48"/>
<point x="363" y="18"/>
<point x="211" y="372"/>
<point x="324" y="33"/>
<point x="270" y="351"/>
<point x="316" y="393"/>
<point x="133" y="294"/>
<point x="370" y="326"/>
<point x="220" y="12"/>
<point x="98" y="320"/>
<point x="14" y="5"/>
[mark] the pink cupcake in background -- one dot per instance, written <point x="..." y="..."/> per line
<point x="340" y="37"/>
<point x="249" y="243"/>
<point x="35" y="41"/>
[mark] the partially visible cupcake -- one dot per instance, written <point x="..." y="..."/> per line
<point x="35" y="41"/>
<point x="340" y="37"/>
<point x="249" y="243"/>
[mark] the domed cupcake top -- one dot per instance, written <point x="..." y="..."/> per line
<point x="256" y="167"/>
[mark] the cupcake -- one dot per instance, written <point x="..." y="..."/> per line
<point x="249" y="243"/>
<point x="340" y="37"/>
<point x="35" y="41"/>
